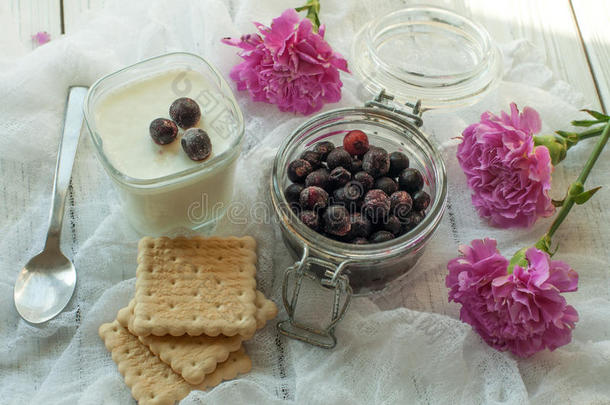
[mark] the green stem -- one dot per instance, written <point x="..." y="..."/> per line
<point x="313" y="11"/>
<point x="591" y="133"/>
<point x="575" y="189"/>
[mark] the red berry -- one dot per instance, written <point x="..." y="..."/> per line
<point x="356" y="143"/>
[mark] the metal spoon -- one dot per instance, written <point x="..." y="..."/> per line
<point x="46" y="283"/>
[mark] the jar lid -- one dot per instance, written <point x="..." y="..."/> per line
<point x="428" y="54"/>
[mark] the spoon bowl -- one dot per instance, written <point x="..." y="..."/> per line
<point x="44" y="286"/>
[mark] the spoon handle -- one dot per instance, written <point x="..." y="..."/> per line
<point x="73" y="121"/>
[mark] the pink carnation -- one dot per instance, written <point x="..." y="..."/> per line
<point x="510" y="177"/>
<point x="289" y="65"/>
<point x="523" y="312"/>
<point x="41" y="37"/>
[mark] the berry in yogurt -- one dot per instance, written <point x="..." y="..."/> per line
<point x="185" y="112"/>
<point x="163" y="131"/>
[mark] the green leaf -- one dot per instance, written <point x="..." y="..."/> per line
<point x="575" y="189"/>
<point x="597" y="115"/>
<point x="585" y="196"/>
<point x="313" y="9"/>
<point x="556" y="145"/>
<point x="570" y="137"/>
<point x="544" y="244"/>
<point x="518" y="260"/>
<point x="585" y="123"/>
<point x="557" y="203"/>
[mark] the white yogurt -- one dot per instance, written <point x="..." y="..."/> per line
<point x="122" y="118"/>
<point x="124" y="115"/>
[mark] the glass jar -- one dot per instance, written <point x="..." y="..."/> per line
<point x="427" y="58"/>
<point x="428" y="54"/>
<point x="195" y="196"/>
<point x="346" y="268"/>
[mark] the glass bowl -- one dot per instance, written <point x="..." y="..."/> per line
<point x="428" y="54"/>
<point x="198" y="195"/>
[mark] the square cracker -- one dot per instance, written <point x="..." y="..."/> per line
<point x="195" y="286"/>
<point x="152" y="381"/>
<point x="193" y="357"/>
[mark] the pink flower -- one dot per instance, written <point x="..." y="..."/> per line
<point x="510" y="177"/>
<point x="523" y="312"/>
<point x="289" y="65"/>
<point x="41" y="37"/>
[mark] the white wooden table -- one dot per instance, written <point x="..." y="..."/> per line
<point x="573" y="33"/>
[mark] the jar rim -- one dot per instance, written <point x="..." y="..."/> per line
<point x="457" y="88"/>
<point x="206" y="167"/>
<point x="343" y="250"/>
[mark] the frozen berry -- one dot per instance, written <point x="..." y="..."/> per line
<point x="356" y="166"/>
<point x="324" y="148"/>
<point x="163" y="131"/>
<point x="361" y="226"/>
<point x="313" y="198"/>
<point x="338" y="157"/>
<point x="310" y="218"/>
<point x="421" y="200"/>
<point x="401" y="204"/>
<point x="336" y="220"/>
<point x="338" y="177"/>
<point x="196" y="143"/>
<point x="392" y="224"/>
<point x="356" y="143"/>
<point x="360" y="241"/>
<point x="298" y="170"/>
<point x="339" y="196"/>
<point x="398" y="162"/>
<point x="386" y="184"/>
<point x="413" y="219"/>
<point x="410" y="180"/>
<point x="354" y="190"/>
<point x="185" y="112"/>
<point x="317" y="178"/>
<point x="314" y="158"/>
<point x="365" y="179"/>
<point x="381" y="236"/>
<point x="376" y="162"/>
<point x="293" y="193"/>
<point x="376" y="205"/>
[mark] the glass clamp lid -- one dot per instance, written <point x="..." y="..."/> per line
<point x="334" y="280"/>
<point x="428" y="54"/>
<point x="384" y="101"/>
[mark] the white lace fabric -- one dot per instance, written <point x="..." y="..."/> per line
<point x="405" y="345"/>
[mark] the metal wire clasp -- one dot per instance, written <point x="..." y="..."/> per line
<point x="333" y="279"/>
<point x="381" y="101"/>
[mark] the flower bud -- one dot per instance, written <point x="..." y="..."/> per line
<point x="557" y="146"/>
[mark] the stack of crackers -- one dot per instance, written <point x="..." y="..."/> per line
<point x="195" y="303"/>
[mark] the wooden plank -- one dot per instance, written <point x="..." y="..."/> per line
<point x="549" y="25"/>
<point x="73" y="10"/>
<point x="32" y="16"/>
<point x="593" y="17"/>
